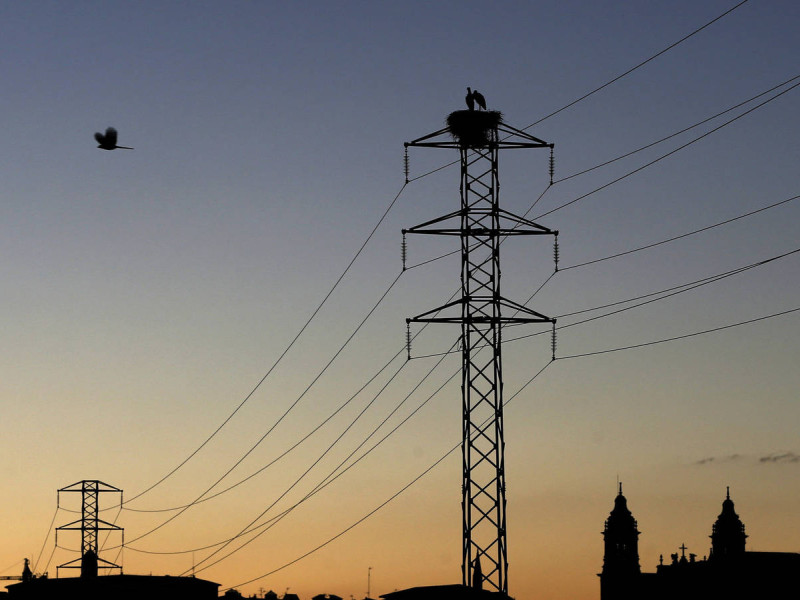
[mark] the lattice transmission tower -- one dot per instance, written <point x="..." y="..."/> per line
<point x="90" y="524"/>
<point x="481" y="225"/>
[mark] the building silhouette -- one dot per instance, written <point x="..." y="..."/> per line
<point x="93" y="586"/>
<point x="730" y="572"/>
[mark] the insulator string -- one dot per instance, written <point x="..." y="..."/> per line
<point x="555" y="251"/>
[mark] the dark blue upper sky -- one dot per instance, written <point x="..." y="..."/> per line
<point x="146" y="292"/>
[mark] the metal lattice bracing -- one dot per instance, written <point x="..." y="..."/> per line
<point x="481" y="226"/>
<point x="90" y="523"/>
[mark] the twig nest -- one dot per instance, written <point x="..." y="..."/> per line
<point x="474" y="128"/>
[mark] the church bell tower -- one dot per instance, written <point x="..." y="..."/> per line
<point x="621" y="570"/>
<point x="727" y="534"/>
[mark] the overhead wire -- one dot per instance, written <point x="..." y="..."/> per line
<point x="668" y="154"/>
<point x="16" y="563"/>
<point x="638" y="249"/>
<point x="680" y="337"/>
<point x="44" y="543"/>
<point x="678" y="237"/>
<point x="606" y="84"/>
<point x="660" y="295"/>
<point x="668" y="293"/>
<point x="451" y="450"/>
<point x="283" y="354"/>
<point x="686" y="286"/>
<point x="380" y="506"/>
<point x="683" y="236"/>
<point x="333" y="473"/>
<point x="620" y="157"/>
<point x="293" y="446"/>
<point x="677" y="133"/>
<point x="639" y="65"/>
<point x="280" y="419"/>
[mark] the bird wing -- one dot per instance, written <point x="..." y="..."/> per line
<point x="111" y="136"/>
<point x="99" y="137"/>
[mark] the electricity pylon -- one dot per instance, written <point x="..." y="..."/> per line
<point x="482" y="311"/>
<point x="89" y="525"/>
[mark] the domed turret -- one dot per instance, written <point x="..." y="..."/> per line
<point x="727" y="534"/>
<point x="621" y="537"/>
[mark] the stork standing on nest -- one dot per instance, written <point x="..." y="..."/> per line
<point x="479" y="99"/>
<point x="470" y="99"/>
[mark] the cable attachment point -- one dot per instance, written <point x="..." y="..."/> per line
<point x="408" y="338"/>
<point x="555" y="251"/>
<point x="405" y="164"/>
<point x="553" y="341"/>
<point x="552" y="165"/>
<point x="404" y="250"/>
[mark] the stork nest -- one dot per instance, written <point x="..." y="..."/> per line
<point x="474" y="128"/>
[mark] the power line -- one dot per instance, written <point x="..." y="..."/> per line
<point x="334" y="474"/>
<point x="283" y="354"/>
<point x="44" y="543"/>
<point x="670" y="153"/>
<point x="641" y="64"/>
<point x="677" y="133"/>
<point x="620" y="157"/>
<point x="681" y="288"/>
<point x="678" y="237"/>
<point x="280" y="419"/>
<point x="680" y="337"/>
<point x="365" y="517"/>
<point x="306" y="437"/>
<point x="662" y="294"/>
<point x="297" y="480"/>
<point x="292" y="447"/>
<point x="675" y="291"/>
<point x="383" y="504"/>
<point x="605" y="85"/>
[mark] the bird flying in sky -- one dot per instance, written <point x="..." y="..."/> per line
<point x="109" y="140"/>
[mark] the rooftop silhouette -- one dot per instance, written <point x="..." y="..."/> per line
<point x="729" y="572"/>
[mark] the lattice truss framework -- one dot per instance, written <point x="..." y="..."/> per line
<point x="90" y="523"/>
<point x="482" y="225"/>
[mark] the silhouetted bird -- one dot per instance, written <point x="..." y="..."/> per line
<point x="470" y="99"/>
<point x="109" y="140"/>
<point x="481" y="101"/>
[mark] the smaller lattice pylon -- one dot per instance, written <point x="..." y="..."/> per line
<point x="89" y="525"/>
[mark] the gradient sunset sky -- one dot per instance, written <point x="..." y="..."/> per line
<point x="147" y="293"/>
